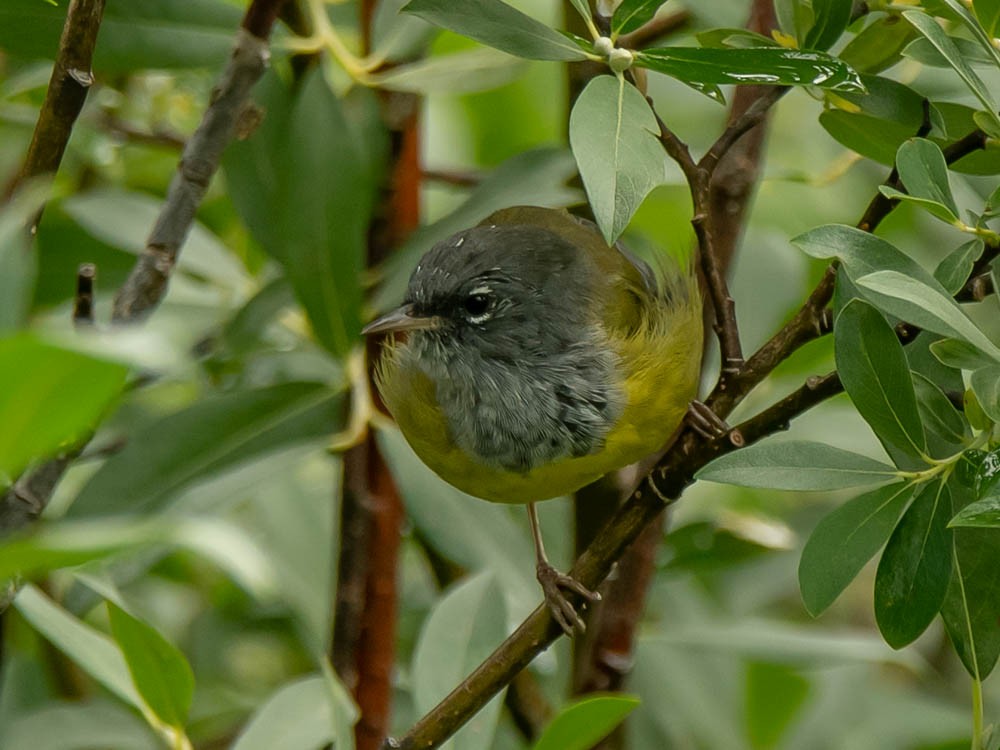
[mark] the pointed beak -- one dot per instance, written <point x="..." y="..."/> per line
<point x="401" y="319"/>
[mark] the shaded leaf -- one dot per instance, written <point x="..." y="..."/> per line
<point x="988" y="13"/>
<point x="795" y="465"/>
<point x="204" y="439"/>
<point x="611" y="131"/>
<point x="462" y="72"/>
<point x="631" y="14"/>
<point x="734" y="37"/>
<point x="845" y="540"/>
<point x="80" y="725"/>
<point x="938" y="210"/>
<point x="913" y="574"/>
<point x="924" y="52"/>
<point x="960" y="354"/>
<point x="879" y="45"/>
<point x="762" y="65"/>
<point x="876" y="376"/>
<point x="775" y="694"/>
<point x="831" y="18"/>
<point x="497" y="24"/>
<point x="582" y="724"/>
<point x="981" y="513"/>
<point x="954" y="269"/>
<point x="159" y="670"/>
<point x="986" y="383"/>
<point x="52" y="398"/>
<point x="945" y="427"/>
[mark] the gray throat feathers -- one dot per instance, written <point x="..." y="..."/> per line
<point x="516" y="414"/>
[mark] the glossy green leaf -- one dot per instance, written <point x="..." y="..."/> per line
<point x="611" y="132"/>
<point x="988" y="13"/>
<point x="945" y="427"/>
<point x="776" y="66"/>
<point x="497" y="24"/>
<point x="937" y="36"/>
<point x="460" y="632"/>
<point x="462" y="72"/>
<point x="534" y="177"/>
<point x="831" y="18"/>
<point x="631" y="14"/>
<point x="796" y="465"/>
<point x="159" y="670"/>
<point x="775" y="695"/>
<point x="954" y="269"/>
<point x="986" y="383"/>
<point x="885" y="99"/>
<point x="960" y="354"/>
<point x="584" y="723"/>
<point x="92" y="651"/>
<point x="971" y="610"/>
<point x="913" y="574"/>
<point x="300" y="714"/>
<point x="919" y="303"/>
<point x="52" y="398"/>
<point x="208" y="437"/>
<point x="879" y="45"/>
<point x="876" y="376"/>
<point x="924" y="172"/>
<point x="845" y="540"/>
<point x="988" y="475"/>
<point x="150" y="34"/>
<point x="305" y="185"/>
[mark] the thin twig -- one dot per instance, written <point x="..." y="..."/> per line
<point x="71" y="80"/>
<point x="83" y="302"/>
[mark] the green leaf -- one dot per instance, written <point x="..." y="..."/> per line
<point x="159" y="670"/>
<point x="305" y="185"/>
<point x="462" y="630"/>
<point x="845" y="540"/>
<point x="946" y="430"/>
<point x="988" y="475"/>
<point x="52" y="398"/>
<point x="18" y="263"/>
<point x="831" y="19"/>
<point x="763" y="65"/>
<point x="983" y="513"/>
<point x="303" y="713"/>
<point x="977" y="30"/>
<point x="960" y="354"/>
<point x="734" y="37"/>
<point x="150" y="34"/>
<point x="795" y="17"/>
<point x="796" y="465"/>
<point x="471" y="70"/>
<point x="583" y="8"/>
<point x="938" y="210"/>
<point x="585" y="722"/>
<point x="775" y="694"/>
<point x="971" y="610"/>
<point x="988" y="13"/>
<point x="80" y="725"/>
<point x="986" y="383"/>
<point x="954" y="270"/>
<point x="879" y="45"/>
<point x="924" y="172"/>
<point x="632" y="14"/>
<point x="913" y="574"/>
<point x="926" y="53"/>
<point x="92" y="651"/>
<point x="937" y="36"/>
<point x="497" y="24"/>
<point x="535" y="177"/>
<point x="876" y="376"/>
<point x="871" y="137"/>
<point x="611" y="131"/>
<point x="917" y="302"/>
<point x="211" y="435"/>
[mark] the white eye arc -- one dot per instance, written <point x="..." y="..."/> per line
<point x="479" y="305"/>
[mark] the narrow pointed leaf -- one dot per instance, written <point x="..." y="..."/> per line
<point x="584" y="723"/>
<point x="946" y="429"/>
<point x="497" y="24"/>
<point x="876" y="376"/>
<point x="954" y="270"/>
<point x="776" y="66"/>
<point x="611" y="131"/>
<point x="976" y="28"/>
<point x="986" y="383"/>
<point x="159" y="670"/>
<point x="913" y="574"/>
<point x="845" y="540"/>
<point x="796" y="465"/>
<point x="632" y="14"/>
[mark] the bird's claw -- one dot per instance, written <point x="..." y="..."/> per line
<point x="706" y="422"/>
<point x="563" y="612"/>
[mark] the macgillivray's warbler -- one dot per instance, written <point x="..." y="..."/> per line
<point x="538" y="359"/>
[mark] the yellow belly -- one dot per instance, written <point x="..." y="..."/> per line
<point x="663" y="364"/>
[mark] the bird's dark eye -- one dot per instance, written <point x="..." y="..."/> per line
<point x="477" y="305"/>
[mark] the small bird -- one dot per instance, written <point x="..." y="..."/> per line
<point x="535" y="360"/>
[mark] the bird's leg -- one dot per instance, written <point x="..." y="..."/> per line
<point x="553" y="583"/>
<point x="706" y="422"/>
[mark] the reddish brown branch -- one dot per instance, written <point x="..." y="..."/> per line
<point x="71" y="80"/>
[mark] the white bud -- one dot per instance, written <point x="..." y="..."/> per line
<point x="604" y="46"/>
<point x="620" y="60"/>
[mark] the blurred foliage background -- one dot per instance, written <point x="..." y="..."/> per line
<point x="202" y="524"/>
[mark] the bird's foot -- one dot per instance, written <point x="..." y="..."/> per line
<point x="706" y="422"/>
<point x="563" y="611"/>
